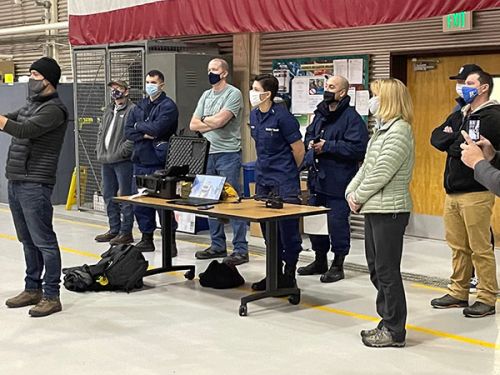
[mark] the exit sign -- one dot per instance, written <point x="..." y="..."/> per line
<point x="457" y="22"/>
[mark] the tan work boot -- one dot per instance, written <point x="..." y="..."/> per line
<point x="25" y="298"/>
<point x="46" y="307"/>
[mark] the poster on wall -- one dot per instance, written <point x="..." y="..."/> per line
<point x="307" y="93"/>
<point x="283" y="76"/>
<point x="302" y="81"/>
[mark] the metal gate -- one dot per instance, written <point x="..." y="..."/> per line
<point x="93" y="69"/>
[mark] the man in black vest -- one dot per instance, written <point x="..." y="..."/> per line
<point x="37" y="131"/>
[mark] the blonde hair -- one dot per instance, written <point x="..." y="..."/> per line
<point x="375" y="87"/>
<point x="395" y="100"/>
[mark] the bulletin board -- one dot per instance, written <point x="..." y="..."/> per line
<point x="302" y="82"/>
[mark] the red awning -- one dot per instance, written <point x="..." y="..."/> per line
<point x="114" y="21"/>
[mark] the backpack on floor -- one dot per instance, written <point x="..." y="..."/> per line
<point x="122" y="267"/>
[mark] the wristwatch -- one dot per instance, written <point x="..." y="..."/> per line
<point x="203" y="119"/>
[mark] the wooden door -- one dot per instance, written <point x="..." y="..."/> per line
<point x="433" y="96"/>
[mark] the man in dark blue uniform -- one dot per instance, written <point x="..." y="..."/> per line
<point x="336" y="141"/>
<point x="150" y="125"/>
<point x="280" y="152"/>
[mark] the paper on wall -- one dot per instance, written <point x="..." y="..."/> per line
<point x="352" y="94"/>
<point x="307" y="93"/>
<point x="362" y="98"/>
<point x="340" y="68"/>
<point x="316" y="224"/>
<point x="355" y="71"/>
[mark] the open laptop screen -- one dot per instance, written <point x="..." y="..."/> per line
<point x="205" y="186"/>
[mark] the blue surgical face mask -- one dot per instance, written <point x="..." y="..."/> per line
<point x="152" y="89"/>
<point x="214" y="78"/>
<point x="469" y="94"/>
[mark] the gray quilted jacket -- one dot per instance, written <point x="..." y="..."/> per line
<point x="382" y="183"/>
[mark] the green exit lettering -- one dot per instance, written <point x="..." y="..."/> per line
<point x="460" y="21"/>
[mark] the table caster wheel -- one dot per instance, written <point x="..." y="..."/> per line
<point x="189" y="275"/>
<point x="243" y="310"/>
<point x="294" y="299"/>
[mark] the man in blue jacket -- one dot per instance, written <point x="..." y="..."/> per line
<point x="150" y="125"/>
<point x="336" y="143"/>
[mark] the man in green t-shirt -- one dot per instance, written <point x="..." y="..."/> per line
<point x="218" y="118"/>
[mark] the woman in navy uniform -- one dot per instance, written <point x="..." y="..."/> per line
<point x="280" y="152"/>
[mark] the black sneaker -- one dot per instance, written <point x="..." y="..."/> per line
<point x="235" y="259"/>
<point x="479" y="310"/>
<point x="447" y="302"/>
<point x="210" y="254"/>
<point x="382" y="339"/>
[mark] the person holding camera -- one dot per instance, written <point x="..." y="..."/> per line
<point x="468" y="205"/>
<point x="336" y="143"/>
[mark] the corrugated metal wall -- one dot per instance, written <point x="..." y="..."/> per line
<point x="25" y="48"/>
<point x="64" y="49"/>
<point x="380" y="41"/>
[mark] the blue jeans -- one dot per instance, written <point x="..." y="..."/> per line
<point x="117" y="178"/>
<point x="32" y="212"/>
<point x="227" y="164"/>
<point x="339" y="238"/>
<point x="145" y="216"/>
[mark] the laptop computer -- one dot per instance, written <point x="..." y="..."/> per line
<point x="204" y="191"/>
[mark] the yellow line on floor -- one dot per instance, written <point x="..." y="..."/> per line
<point x="410" y="327"/>
<point x="428" y="287"/>
<point x="85" y="224"/>
<point x="327" y="309"/>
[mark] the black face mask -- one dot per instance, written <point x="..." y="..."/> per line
<point x="35" y="87"/>
<point x="214" y="78"/>
<point x="329" y="97"/>
<point x="117" y="94"/>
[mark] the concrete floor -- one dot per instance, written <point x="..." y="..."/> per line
<point x="175" y="326"/>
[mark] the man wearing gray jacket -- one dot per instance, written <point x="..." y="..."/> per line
<point x="114" y="152"/>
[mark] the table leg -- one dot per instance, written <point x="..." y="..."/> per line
<point x="272" y="289"/>
<point x="166" y="248"/>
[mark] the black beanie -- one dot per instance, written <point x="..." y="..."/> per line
<point x="48" y="68"/>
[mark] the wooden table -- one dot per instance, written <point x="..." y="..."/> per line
<point x="247" y="209"/>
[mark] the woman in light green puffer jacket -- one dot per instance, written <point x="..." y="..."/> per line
<point x="380" y="190"/>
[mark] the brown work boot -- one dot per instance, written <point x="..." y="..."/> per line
<point x="25" y="298"/>
<point x="122" y="239"/>
<point x="105" y="237"/>
<point x="47" y="306"/>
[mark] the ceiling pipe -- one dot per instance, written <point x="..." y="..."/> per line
<point x="33" y="28"/>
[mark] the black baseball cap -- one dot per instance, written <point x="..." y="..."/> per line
<point x="465" y="70"/>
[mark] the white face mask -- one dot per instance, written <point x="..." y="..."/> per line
<point x="458" y="88"/>
<point x="255" y="98"/>
<point x="373" y="104"/>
